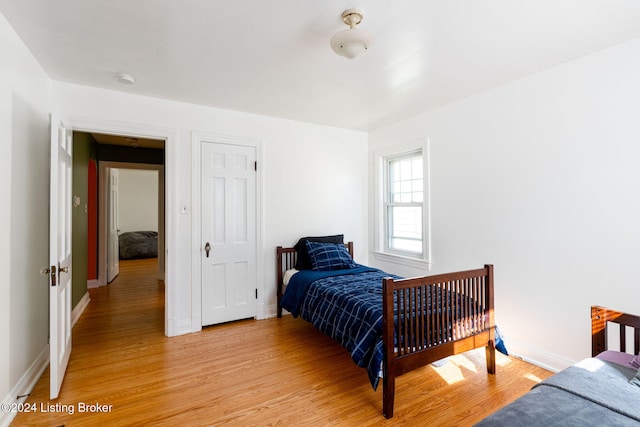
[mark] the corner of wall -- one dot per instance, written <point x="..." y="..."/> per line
<point x="537" y="356"/>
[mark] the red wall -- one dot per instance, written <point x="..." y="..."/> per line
<point x="92" y="214"/>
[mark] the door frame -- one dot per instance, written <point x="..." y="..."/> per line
<point x="103" y="226"/>
<point x="172" y="326"/>
<point x="197" y="139"/>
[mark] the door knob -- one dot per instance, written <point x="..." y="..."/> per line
<point x="207" y="248"/>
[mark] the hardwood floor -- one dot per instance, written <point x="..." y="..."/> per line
<point x="246" y="373"/>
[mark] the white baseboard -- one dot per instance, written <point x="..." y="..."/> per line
<point x="269" y="312"/>
<point x="24" y="386"/>
<point x="30" y="378"/>
<point x="93" y="283"/>
<point x="537" y="356"/>
<point x="184" y="327"/>
<point x="79" y="309"/>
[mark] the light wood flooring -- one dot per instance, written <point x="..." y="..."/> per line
<point x="247" y="373"/>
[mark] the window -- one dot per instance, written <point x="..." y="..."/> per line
<point x="402" y="200"/>
<point x="404" y="204"/>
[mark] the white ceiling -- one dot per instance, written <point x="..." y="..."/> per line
<point x="273" y="57"/>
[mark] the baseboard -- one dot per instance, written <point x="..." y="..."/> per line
<point x="537" y="356"/>
<point x="93" y="283"/>
<point x="30" y="378"/>
<point x="183" y="327"/>
<point x="268" y="312"/>
<point x="24" y="386"/>
<point x="79" y="308"/>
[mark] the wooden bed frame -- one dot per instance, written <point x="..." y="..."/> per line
<point x="417" y="347"/>
<point x="603" y="319"/>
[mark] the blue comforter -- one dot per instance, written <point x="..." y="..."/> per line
<point x="347" y="306"/>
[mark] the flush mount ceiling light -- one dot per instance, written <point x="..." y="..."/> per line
<point x="353" y="42"/>
<point x="125" y="79"/>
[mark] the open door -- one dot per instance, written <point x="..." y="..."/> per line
<point x="60" y="254"/>
<point x="113" y="253"/>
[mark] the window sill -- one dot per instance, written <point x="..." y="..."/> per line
<point x="422" y="264"/>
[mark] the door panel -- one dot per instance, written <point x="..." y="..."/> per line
<point x="229" y="274"/>
<point x="113" y="253"/>
<point x="60" y="255"/>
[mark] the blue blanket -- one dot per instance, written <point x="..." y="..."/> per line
<point x="347" y="306"/>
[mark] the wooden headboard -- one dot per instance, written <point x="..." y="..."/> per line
<point x="286" y="260"/>
<point x="601" y="319"/>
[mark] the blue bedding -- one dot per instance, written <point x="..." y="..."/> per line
<point x="347" y="306"/>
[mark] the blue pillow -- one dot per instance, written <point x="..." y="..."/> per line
<point x="329" y="256"/>
<point x="302" y="261"/>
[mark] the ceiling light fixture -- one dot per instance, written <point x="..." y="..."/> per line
<point x="353" y="42"/>
<point x="125" y="79"/>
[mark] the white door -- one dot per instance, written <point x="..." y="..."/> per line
<point x="60" y="255"/>
<point x="113" y="252"/>
<point x="228" y="232"/>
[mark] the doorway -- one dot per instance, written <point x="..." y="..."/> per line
<point x="129" y="213"/>
<point x="91" y="241"/>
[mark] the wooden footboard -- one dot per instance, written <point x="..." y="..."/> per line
<point x="435" y="317"/>
<point x="603" y="319"/>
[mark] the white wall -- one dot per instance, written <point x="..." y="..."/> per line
<point x="137" y="200"/>
<point x="24" y="164"/>
<point x="540" y="177"/>
<point x="314" y="179"/>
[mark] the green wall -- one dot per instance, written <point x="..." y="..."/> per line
<point x="84" y="149"/>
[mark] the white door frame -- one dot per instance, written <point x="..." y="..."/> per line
<point x="171" y="299"/>
<point x="197" y="139"/>
<point x="103" y="226"/>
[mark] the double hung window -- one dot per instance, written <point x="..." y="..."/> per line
<point x="404" y="204"/>
<point x="402" y="200"/>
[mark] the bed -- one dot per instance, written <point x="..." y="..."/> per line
<point x="390" y="325"/>
<point x="601" y="390"/>
<point x="138" y="244"/>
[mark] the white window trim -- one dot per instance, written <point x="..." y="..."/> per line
<point x="379" y="251"/>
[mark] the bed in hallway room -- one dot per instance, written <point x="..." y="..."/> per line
<point x="138" y="244"/>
